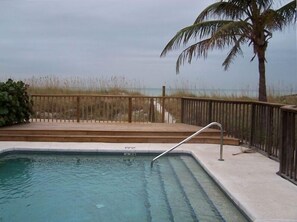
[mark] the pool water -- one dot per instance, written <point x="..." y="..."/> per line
<point x="56" y="187"/>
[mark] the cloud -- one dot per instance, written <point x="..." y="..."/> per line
<point x="94" y="37"/>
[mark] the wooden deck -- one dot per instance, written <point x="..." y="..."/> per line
<point x="110" y="132"/>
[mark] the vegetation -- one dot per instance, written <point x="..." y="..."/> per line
<point x="113" y="85"/>
<point x="235" y="22"/>
<point x="275" y="94"/>
<point x="288" y="99"/>
<point x="121" y="86"/>
<point x="15" y="106"/>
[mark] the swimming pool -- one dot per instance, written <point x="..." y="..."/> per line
<point x="91" y="187"/>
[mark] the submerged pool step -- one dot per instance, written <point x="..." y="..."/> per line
<point x="158" y="206"/>
<point x="218" y="197"/>
<point x="179" y="204"/>
<point x="203" y="207"/>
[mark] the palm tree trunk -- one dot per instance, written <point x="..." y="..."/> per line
<point x="262" y="96"/>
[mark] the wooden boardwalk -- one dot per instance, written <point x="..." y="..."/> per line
<point x="109" y="132"/>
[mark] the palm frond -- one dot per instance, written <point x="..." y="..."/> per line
<point x="261" y="4"/>
<point x="288" y="12"/>
<point x="201" y="30"/>
<point x="220" y="40"/>
<point x="272" y="20"/>
<point x="196" y="50"/>
<point x="233" y="29"/>
<point x="223" y="35"/>
<point x="264" y="4"/>
<point x="221" y="10"/>
<point x="277" y="19"/>
<point x="236" y="49"/>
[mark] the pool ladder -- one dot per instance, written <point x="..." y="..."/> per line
<point x="190" y="137"/>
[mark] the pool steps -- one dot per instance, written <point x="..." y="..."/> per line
<point x="184" y="202"/>
<point x="154" y="179"/>
<point x="182" y="205"/>
<point x="202" y="205"/>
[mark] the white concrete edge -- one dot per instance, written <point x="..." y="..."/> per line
<point x="227" y="192"/>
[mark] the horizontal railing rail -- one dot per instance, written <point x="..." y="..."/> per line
<point x="190" y="137"/>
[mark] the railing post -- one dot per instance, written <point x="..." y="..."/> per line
<point x="163" y="90"/>
<point x="252" y="128"/>
<point x="182" y="110"/>
<point x="152" y="111"/>
<point x="288" y="151"/>
<point x="163" y="104"/>
<point x="130" y="110"/>
<point x="282" y="154"/>
<point x="209" y="111"/>
<point x="269" y="126"/>
<point x="78" y="109"/>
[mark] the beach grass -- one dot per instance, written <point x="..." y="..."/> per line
<point x="119" y="85"/>
<point x="114" y="85"/>
<point x="275" y="94"/>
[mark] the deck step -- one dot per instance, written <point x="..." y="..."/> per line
<point x="116" y="138"/>
<point x="105" y="132"/>
<point x="110" y="133"/>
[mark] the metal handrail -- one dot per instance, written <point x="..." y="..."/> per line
<point x="190" y="137"/>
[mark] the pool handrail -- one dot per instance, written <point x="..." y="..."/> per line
<point x="190" y="137"/>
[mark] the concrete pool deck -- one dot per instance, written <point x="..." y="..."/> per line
<point x="249" y="178"/>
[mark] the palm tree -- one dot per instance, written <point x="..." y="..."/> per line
<point x="235" y="23"/>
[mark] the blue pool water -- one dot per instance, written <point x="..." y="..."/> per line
<point x="56" y="187"/>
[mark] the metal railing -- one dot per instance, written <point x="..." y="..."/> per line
<point x="190" y="137"/>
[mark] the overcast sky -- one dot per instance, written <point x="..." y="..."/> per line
<point x="94" y="38"/>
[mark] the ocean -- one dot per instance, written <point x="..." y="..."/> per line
<point x="211" y="92"/>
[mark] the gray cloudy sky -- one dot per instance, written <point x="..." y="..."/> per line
<point x="125" y="37"/>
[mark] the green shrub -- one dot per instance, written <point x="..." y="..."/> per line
<point x="15" y="104"/>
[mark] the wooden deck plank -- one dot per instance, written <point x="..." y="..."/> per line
<point x="109" y="132"/>
<point x="157" y="127"/>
